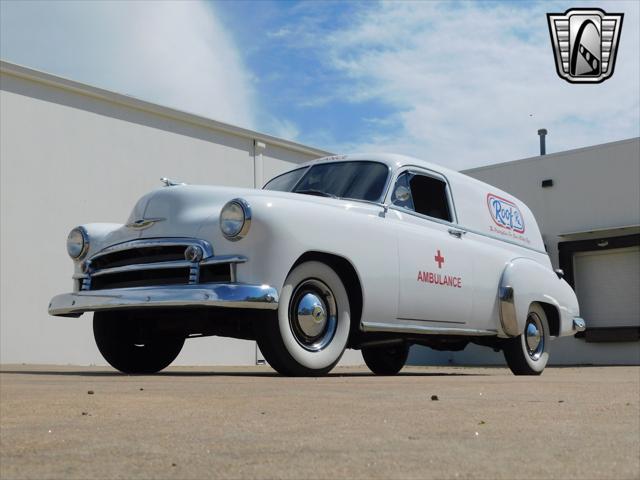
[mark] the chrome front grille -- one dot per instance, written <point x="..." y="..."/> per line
<point x="155" y="262"/>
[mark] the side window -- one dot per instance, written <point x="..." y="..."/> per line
<point x="422" y="194"/>
<point x="402" y="192"/>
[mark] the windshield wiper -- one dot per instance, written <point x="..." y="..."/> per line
<point x="318" y="193"/>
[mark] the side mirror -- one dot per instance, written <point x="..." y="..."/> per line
<point x="402" y="193"/>
<point x="559" y="273"/>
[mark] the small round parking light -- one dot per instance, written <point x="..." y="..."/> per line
<point x="193" y="253"/>
<point x="78" y="243"/>
<point x="235" y="219"/>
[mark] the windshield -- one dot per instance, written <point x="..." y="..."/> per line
<point x="359" y="180"/>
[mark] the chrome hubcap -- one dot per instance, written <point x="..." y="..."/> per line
<point x="313" y="315"/>
<point x="534" y="336"/>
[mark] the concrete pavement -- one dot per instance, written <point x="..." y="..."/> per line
<point x="214" y="422"/>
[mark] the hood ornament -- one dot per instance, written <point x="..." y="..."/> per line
<point x="143" y="223"/>
<point x="170" y="183"/>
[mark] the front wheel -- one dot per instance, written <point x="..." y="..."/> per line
<point x="134" y="346"/>
<point x="309" y="334"/>
<point x="528" y="353"/>
<point x="386" y="360"/>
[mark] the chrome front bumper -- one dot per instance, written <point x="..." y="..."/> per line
<point x="231" y="295"/>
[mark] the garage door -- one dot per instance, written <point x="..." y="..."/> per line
<point x="607" y="284"/>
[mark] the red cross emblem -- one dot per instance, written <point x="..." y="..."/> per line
<point x="439" y="259"/>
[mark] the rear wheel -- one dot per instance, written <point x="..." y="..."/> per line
<point x="135" y="346"/>
<point x="310" y="331"/>
<point x="528" y="353"/>
<point x="386" y="360"/>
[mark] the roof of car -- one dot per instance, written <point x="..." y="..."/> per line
<point x="393" y="160"/>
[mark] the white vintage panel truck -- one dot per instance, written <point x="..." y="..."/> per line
<point x="373" y="252"/>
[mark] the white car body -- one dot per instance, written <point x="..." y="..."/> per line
<point x="474" y="276"/>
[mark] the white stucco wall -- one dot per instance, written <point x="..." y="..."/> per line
<point x="71" y="155"/>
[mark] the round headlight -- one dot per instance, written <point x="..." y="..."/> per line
<point x="77" y="243"/>
<point x="235" y="219"/>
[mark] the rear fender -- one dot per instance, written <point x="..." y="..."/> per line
<point x="525" y="281"/>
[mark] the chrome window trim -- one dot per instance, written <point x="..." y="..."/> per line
<point x="423" y="217"/>
<point x="417" y="170"/>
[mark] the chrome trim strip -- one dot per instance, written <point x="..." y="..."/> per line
<point x="508" y="318"/>
<point x="424" y="217"/>
<point x="155" y="242"/>
<point x="224" y="259"/>
<point x="144" y="266"/>
<point x="430" y="321"/>
<point x="143" y="223"/>
<point x="233" y="272"/>
<point x="194" y="267"/>
<point x="579" y="325"/>
<point x="424" y="329"/>
<point x="263" y="297"/>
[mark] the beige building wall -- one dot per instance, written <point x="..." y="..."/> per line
<point x="72" y="154"/>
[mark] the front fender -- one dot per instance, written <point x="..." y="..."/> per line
<point x="525" y="281"/>
<point x="284" y="228"/>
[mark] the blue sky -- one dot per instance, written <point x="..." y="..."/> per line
<point x="457" y="83"/>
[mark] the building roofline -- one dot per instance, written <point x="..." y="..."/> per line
<point x="12" y="69"/>
<point x="551" y="155"/>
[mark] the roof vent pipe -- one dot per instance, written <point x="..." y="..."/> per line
<point x="543" y="144"/>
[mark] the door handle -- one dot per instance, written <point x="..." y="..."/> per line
<point x="456" y="233"/>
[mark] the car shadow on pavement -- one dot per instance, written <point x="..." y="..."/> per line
<point x="213" y="373"/>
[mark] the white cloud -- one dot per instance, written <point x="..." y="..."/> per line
<point x="175" y="53"/>
<point x="282" y="128"/>
<point x="471" y="83"/>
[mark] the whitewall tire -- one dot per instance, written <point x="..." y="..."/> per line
<point x="310" y="332"/>
<point x="528" y="353"/>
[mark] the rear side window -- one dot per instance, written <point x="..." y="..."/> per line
<point x="422" y="194"/>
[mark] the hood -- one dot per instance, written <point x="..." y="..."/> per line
<point x="182" y="208"/>
<point x="182" y="202"/>
<point x="193" y="211"/>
